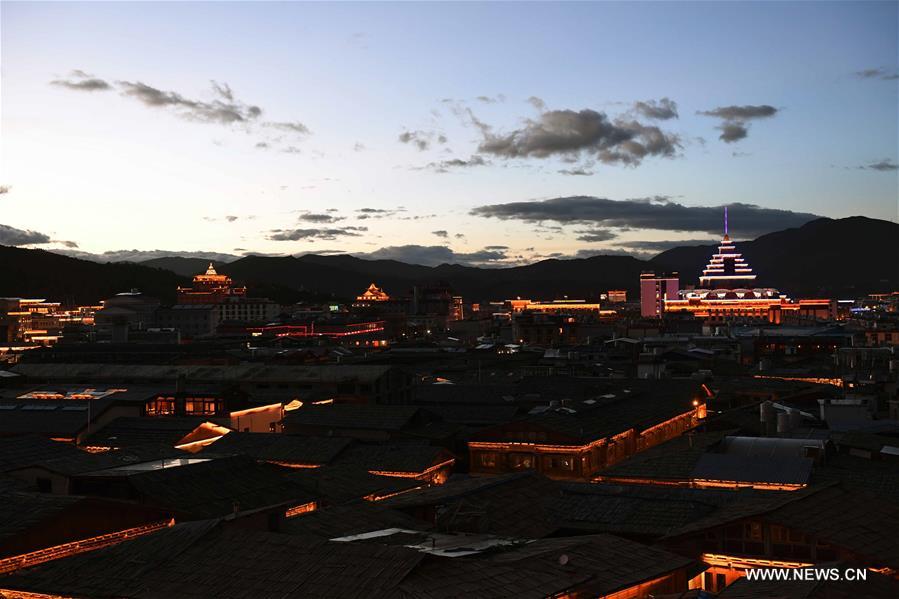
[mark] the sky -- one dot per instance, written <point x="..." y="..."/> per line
<point x="486" y="134"/>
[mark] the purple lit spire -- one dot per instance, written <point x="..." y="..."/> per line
<point x="725" y="221"/>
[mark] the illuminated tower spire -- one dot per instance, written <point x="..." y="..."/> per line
<point x="727" y="268"/>
<point x="725" y="223"/>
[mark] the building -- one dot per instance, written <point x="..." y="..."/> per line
<point x="655" y="290"/>
<point x="210" y="288"/>
<point x="217" y="293"/>
<point x="727" y="291"/>
<point x="575" y="440"/>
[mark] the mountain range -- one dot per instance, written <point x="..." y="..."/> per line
<point x="847" y="257"/>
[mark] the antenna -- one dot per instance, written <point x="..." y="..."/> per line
<point x="725" y="221"/>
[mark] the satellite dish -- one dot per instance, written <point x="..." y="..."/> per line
<point x="563" y="560"/>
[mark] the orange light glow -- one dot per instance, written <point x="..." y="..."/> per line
<point x="292" y="465"/>
<point x="27" y="560"/>
<point x="298" y="510"/>
<point x="256" y="410"/>
<point x="733" y="561"/>
<point x="377" y="497"/>
<point x="423" y="475"/>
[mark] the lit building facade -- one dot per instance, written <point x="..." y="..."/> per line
<point x="727" y="291"/>
<point x="655" y="290"/>
<point x="210" y="288"/>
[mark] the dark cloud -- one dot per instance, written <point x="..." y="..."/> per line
<point x="89" y="84"/>
<point x="324" y="234"/>
<point x="223" y="109"/>
<point x="370" y="213"/>
<point x="224" y="112"/>
<point x="662" y="110"/>
<point x="231" y="218"/>
<point x="144" y="255"/>
<point x="570" y="133"/>
<point x="647" y="213"/>
<point x="421" y="139"/>
<point x="13" y="236"/>
<point x="491" y="99"/>
<point x="320" y="218"/>
<point x="884" y="165"/>
<point x="445" y="166"/>
<point x="734" y="119"/>
<point x="655" y="247"/>
<point x="294" y="127"/>
<point x="435" y="255"/>
<point x="537" y="103"/>
<point x="4" y="189"/>
<point x="878" y="73"/>
<point x="595" y="235"/>
<point x="440" y="233"/>
<point x="582" y="172"/>
<point x="731" y="132"/>
<point x="741" y="113"/>
<point x="262" y="145"/>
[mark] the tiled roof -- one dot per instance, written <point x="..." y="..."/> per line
<point x="137" y="430"/>
<point x="207" y="559"/>
<point x="24" y="450"/>
<point x="293" y="449"/>
<point x="367" y="417"/>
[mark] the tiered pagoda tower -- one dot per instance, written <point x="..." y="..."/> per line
<point x="727" y="269"/>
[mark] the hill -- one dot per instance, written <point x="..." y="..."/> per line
<point x="847" y="257"/>
<point x="827" y="258"/>
<point x="37" y="273"/>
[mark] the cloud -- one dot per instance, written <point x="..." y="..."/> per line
<point x="878" y="73"/>
<point x="741" y="113"/>
<point x="731" y="132"/>
<point x="576" y="172"/>
<point x="491" y="99"/>
<point x="662" y="110"/>
<point x="4" y="189"/>
<point x="320" y="218"/>
<point x="376" y="213"/>
<point x="440" y="233"/>
<point x="435" y="255"/>
<point x="309" y="234"/>
<point x="13" y="236"/>
<point x="421" y="139"/>
<point x="80" y="81"/>
<point x="445" y="166"/>
<point x="884" y="165"/>
<point x="734" y="119"/>
<point x="144" y="255"/>
<point x="569" y="133"/>
<point x="219" y="111"/>
<point x="292" y="127"/>
<point x="595" y="235"/>
<point x="537" y="103"/>
<point x="661" y="246"/>
<point x="231" y="218"/>
<point x="647" y="213"/>
<point x="223" y="109"/>
<point x="358" y="147"/>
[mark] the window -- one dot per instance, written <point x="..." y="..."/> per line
<point x="199" y="406"/>
<point x="161" y="406"/>
<point x="521" y="461"/>
<point x="487" y="460"/>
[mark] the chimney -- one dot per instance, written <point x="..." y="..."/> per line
<point x="783" y="423"/>
<point x="766" y="417"/>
